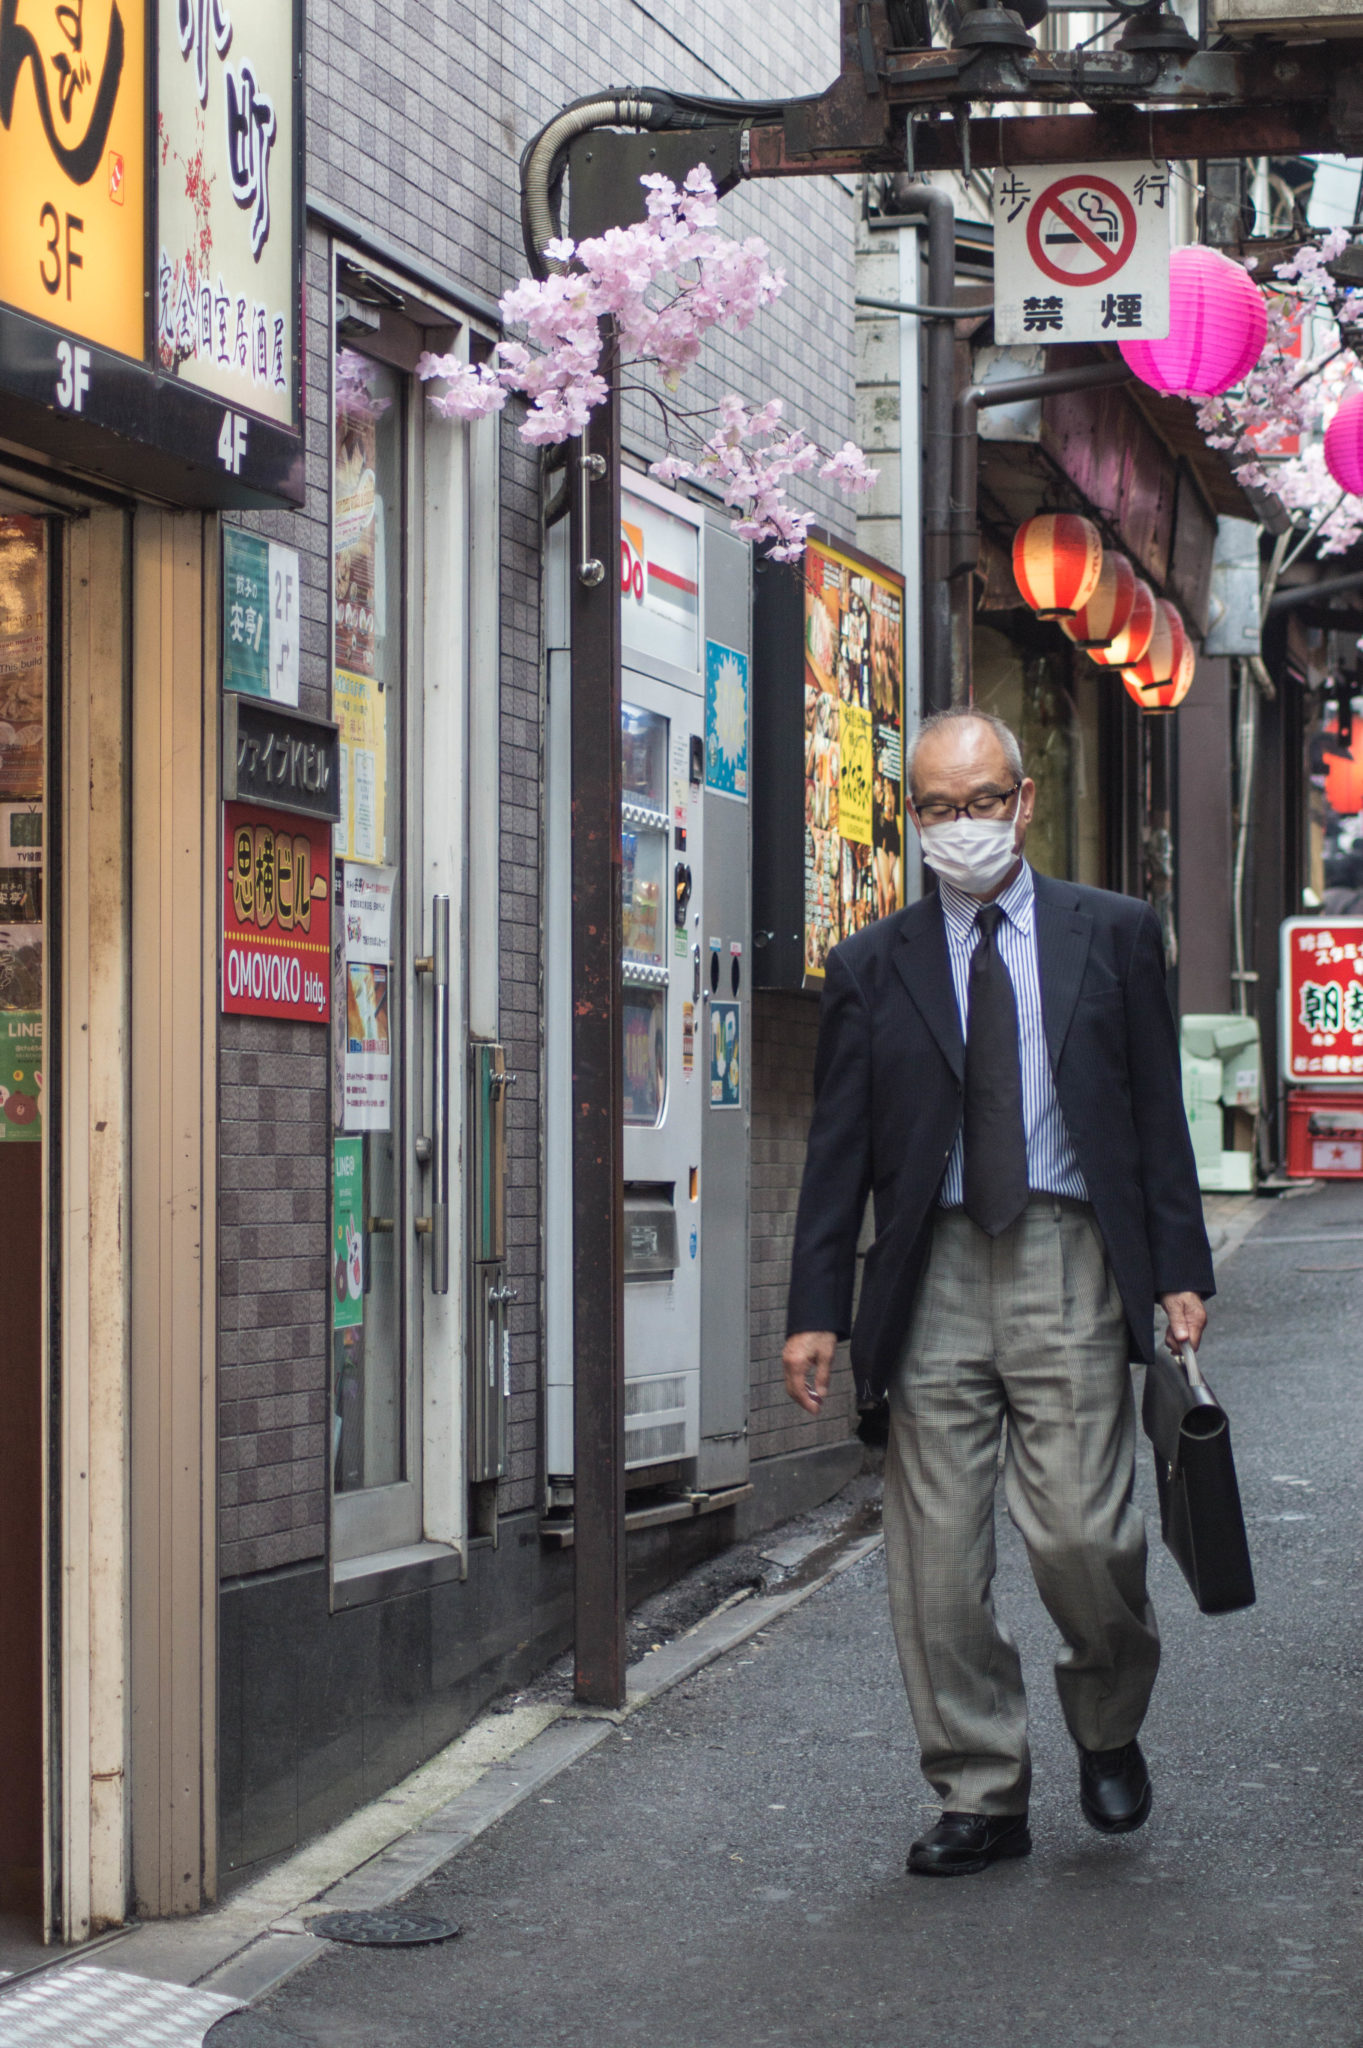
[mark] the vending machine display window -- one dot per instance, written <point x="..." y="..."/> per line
<point x="645" y="1029"/>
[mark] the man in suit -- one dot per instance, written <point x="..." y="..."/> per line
<point x="998" y="1068"/>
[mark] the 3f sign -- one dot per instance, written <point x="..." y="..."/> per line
<point x="73" y="381"/>
<point x="232" y="441"/>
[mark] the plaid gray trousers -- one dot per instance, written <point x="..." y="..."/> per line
<point x="1026" y="1327"/>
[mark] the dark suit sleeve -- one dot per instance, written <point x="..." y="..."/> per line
<point x="837" y="1173"/>
<point x="1179" y="1253"/>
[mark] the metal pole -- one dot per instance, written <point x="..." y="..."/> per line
<point x="598" y="1099"/>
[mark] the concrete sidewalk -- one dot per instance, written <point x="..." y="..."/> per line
<point x="728" y="1868"/>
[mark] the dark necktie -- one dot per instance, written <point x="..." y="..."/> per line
<point x="995" y="1138"/>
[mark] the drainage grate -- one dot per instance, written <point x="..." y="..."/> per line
<point x="382" y="1929"/>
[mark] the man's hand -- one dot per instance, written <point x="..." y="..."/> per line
<point x="1187" y="1321"/>
<point x="808" y="1362"/>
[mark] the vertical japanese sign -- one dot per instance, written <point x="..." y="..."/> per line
<point x="1321" y="997"/>
<point x="226" y="229"/>
<point x="854" y="744"/>
<point x="260" y="616"/>
<point x="1082" y="255"/>
<point x="276" y="933"/>
<point x="73" y="169"/>
<point x="23" y="680"/>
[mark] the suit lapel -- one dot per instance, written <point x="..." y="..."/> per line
<point x="1063" y="932"/>
<point x="920" y="957"/>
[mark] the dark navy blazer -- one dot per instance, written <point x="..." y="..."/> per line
<point x="888" y="1079"/>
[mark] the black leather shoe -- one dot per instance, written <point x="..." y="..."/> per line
<point x="1114" y="1789"/>
<point x="962" y="1843"/>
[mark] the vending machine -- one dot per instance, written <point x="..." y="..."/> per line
<point x="685" y="612"/>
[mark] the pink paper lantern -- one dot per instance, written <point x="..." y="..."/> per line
<point x="1344" y="443"/>
<point x="1217" y="327"/>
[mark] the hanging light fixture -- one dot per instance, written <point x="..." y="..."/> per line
<point x="1108" y="610"/>
<point x="1344" y="442"/>
<point x="1163" y="676"/>
<point x="1057" y="560"/>
<point x="1130" y="644"/>
<point x="1218" y="323"/>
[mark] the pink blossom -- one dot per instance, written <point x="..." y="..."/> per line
<point x="667" y="282"/>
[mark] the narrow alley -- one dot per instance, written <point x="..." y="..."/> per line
<point x="728" y="1868"/>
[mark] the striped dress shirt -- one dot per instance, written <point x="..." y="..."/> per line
<point x="1052" y="1166"/>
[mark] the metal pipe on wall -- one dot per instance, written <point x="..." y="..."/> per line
<point x="937" y="210"/>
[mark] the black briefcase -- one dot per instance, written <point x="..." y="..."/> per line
<point x="1199" y="1497"/>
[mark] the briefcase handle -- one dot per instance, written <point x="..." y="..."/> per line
<point x="1191" y="1369"/>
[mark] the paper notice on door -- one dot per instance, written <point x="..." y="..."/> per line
<point x="368" y="911"/>
<point x="359" y="707"/>
<point x="368" y="1056"/>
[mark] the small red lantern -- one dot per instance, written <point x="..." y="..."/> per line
<point x="1218" y="323"/>
<point x="1130" y="644"/>
<point x="1057" y="560"/>
<point x="1163" y="677"/>
<point x="1108" y="610"/>
<point x="1344" y="443"/>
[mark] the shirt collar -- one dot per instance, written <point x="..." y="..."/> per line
<point x="1017" y="904"/>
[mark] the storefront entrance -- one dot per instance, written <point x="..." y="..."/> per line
<point x="24" y="653"/>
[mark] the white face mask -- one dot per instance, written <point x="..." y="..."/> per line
<point x="974" y="853"/>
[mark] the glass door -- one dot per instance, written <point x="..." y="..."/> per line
<point x="375" y="1263"/>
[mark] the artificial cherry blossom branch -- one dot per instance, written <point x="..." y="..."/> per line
<point x="666" y="282"/>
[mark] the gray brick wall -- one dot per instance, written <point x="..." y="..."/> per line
<point x="785" y="1029"/>
<point x="416" y="116"/>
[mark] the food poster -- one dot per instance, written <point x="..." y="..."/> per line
<point x="358" y="705"/>
<point x="726" y="1056"/>
<point x="347" y="1233"/>
<point x="854" y="727"/>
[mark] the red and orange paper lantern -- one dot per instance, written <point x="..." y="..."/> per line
<point x="1164" y="675"/>
<point x="1110" y="607"/>
<point x="1130" y="644"/>
<point x="1057" y="560"/>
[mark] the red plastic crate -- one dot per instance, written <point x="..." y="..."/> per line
<point x="1325" y="1134"/>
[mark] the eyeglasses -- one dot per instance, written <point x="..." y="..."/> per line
<point x="990" y="803"/>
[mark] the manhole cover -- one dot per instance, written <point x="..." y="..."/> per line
<point x="249" y="2030"/>
<point x="382" y="1930"/>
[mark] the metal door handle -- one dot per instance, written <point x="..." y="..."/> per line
<point x="440" y="1095"/>
<point x="504" y="1294"/>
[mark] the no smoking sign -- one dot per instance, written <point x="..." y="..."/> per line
<point x="1080" y="254"/>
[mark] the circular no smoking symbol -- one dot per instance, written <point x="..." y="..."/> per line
<point x="1081" y="231"/>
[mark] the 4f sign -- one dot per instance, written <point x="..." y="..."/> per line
<point x="1082" y="255"/>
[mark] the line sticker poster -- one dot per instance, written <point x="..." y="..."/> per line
<point x="854" y="748"/>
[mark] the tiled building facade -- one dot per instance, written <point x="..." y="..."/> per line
<point x="416" y="118"/>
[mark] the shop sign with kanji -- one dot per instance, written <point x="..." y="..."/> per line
<point x="1321" y="997"/>
<point x="276" y="933"/>
<point x="260" y="616"/>
<point x="1081" y="254"/>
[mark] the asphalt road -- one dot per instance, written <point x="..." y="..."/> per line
<point x="729" y="1869"/>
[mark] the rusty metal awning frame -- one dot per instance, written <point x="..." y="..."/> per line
<point x="895" y="109"/>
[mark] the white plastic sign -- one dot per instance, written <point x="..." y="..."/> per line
<point x="1082" y="254"/>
